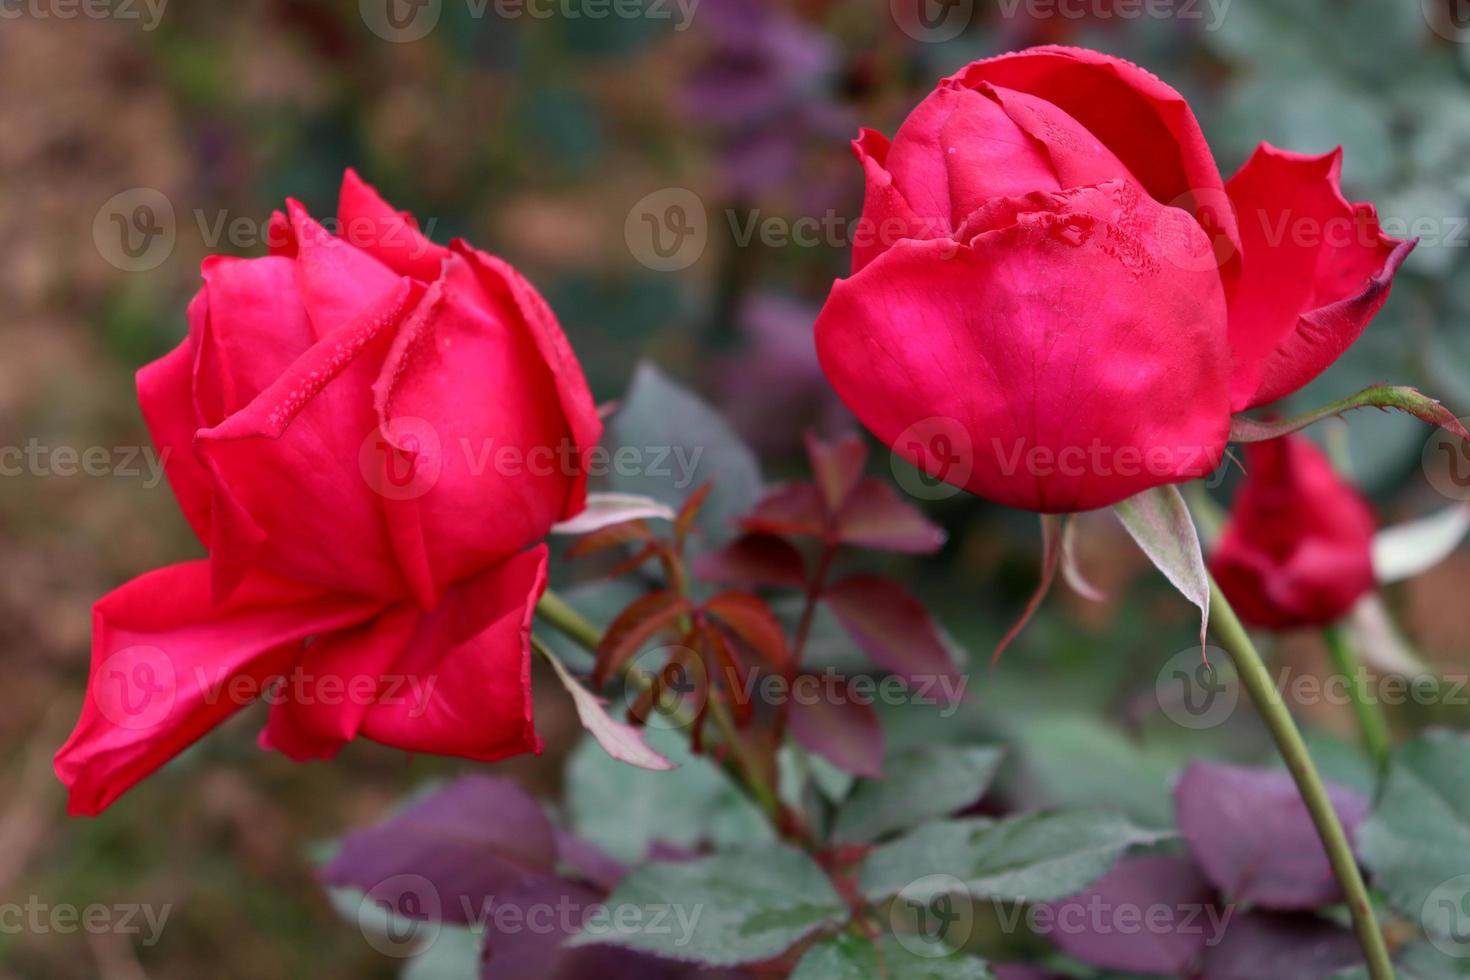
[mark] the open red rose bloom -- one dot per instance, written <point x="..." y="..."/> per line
<point x="334" y="427"/>
<point x="1051" y="275"/>
<point x="1298" y="550"/>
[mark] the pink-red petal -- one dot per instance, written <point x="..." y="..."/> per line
<point x="169" y="664"/>
<point x="467" y="669"/>
<point x="1080" y="348"/>
<point x="1317" y="268"/>
<point x="391" y="236"/>
<point x="1145" y="122"/>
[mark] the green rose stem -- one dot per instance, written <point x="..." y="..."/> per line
<point x="1372" y="721"/>
<point x="743" y="769"/>
<point x="1257" y="681"/>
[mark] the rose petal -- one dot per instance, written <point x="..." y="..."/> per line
<point x="338" y="677"/>
<point x="1146" y="123"/>
<point x="467" y="668"/>
<point x="169" y="664"/>
<point x="317" y="411"/>
<point x="165" y="392"/>
<point x="1002" y="341"/>
<point x="1316" y="270"/>
<point x="392" y="237"/>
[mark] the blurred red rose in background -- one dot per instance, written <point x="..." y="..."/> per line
<point x="1051" y="274"/>
<point x="1298" y="550"/>
<point x="367" y="431"/>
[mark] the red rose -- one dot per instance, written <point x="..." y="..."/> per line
<point x="1056" y="303"/>
<point x="1298" y="550"/>
<point x="367" y="432"/>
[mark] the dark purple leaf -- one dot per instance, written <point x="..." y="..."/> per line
<point x="754" y="561"/>
<point x="1251" y="833"/>
<point x="1148" y="915"/>
<point x="525" y="930"/>
<point x="587" y="862"/>
<point x="890" y="626"/>
<point x="1271" y="946"/>
<point x="876" y="517"/>
<point x="826" y="719"/>
<point x="477" y="837"/>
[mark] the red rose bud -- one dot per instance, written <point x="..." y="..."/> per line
<point x="1298" y="549"/>
<point x="367" y="431"/>
<point x="1055" y="301"/>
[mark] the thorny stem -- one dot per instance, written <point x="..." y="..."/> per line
<point x="1257" y="680"/>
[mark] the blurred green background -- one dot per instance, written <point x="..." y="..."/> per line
<point x="537" y="138"/>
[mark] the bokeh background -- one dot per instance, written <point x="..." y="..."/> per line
<point x="542" y="138"/>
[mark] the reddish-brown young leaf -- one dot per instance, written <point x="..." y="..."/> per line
<point x="750" y="619"/>
<point x="721" y="660"/>
<point x="792" y="510"/>
<point x="610" y="537"/>
<point x="891" y="626"/>
<point x="689" y="513"/>
<point x="837" y="467"/>
<point x="634" y="561"/>
<point x="754" y="561"/>
<point x="635" y="626"/>
<point x="876" y="517"/>
<point x="836" y="726"/>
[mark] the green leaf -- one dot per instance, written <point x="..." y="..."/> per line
<point x="1384" y="397"/>
<point x="849" y="957"/>
<point x="680" y="444"/>
<point x="623" y="810"/>
<point x="1034" y="858"/>
<point x="1417" y="841"/>
<point x="922" y="784"/>
<point x="731" y="908"/>
<point x="1160" y="522"/>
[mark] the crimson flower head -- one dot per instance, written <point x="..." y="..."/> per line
<point x="1056" y="302"/>
<point x="1298" y="549"/>
<point x="370" y="433"/>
